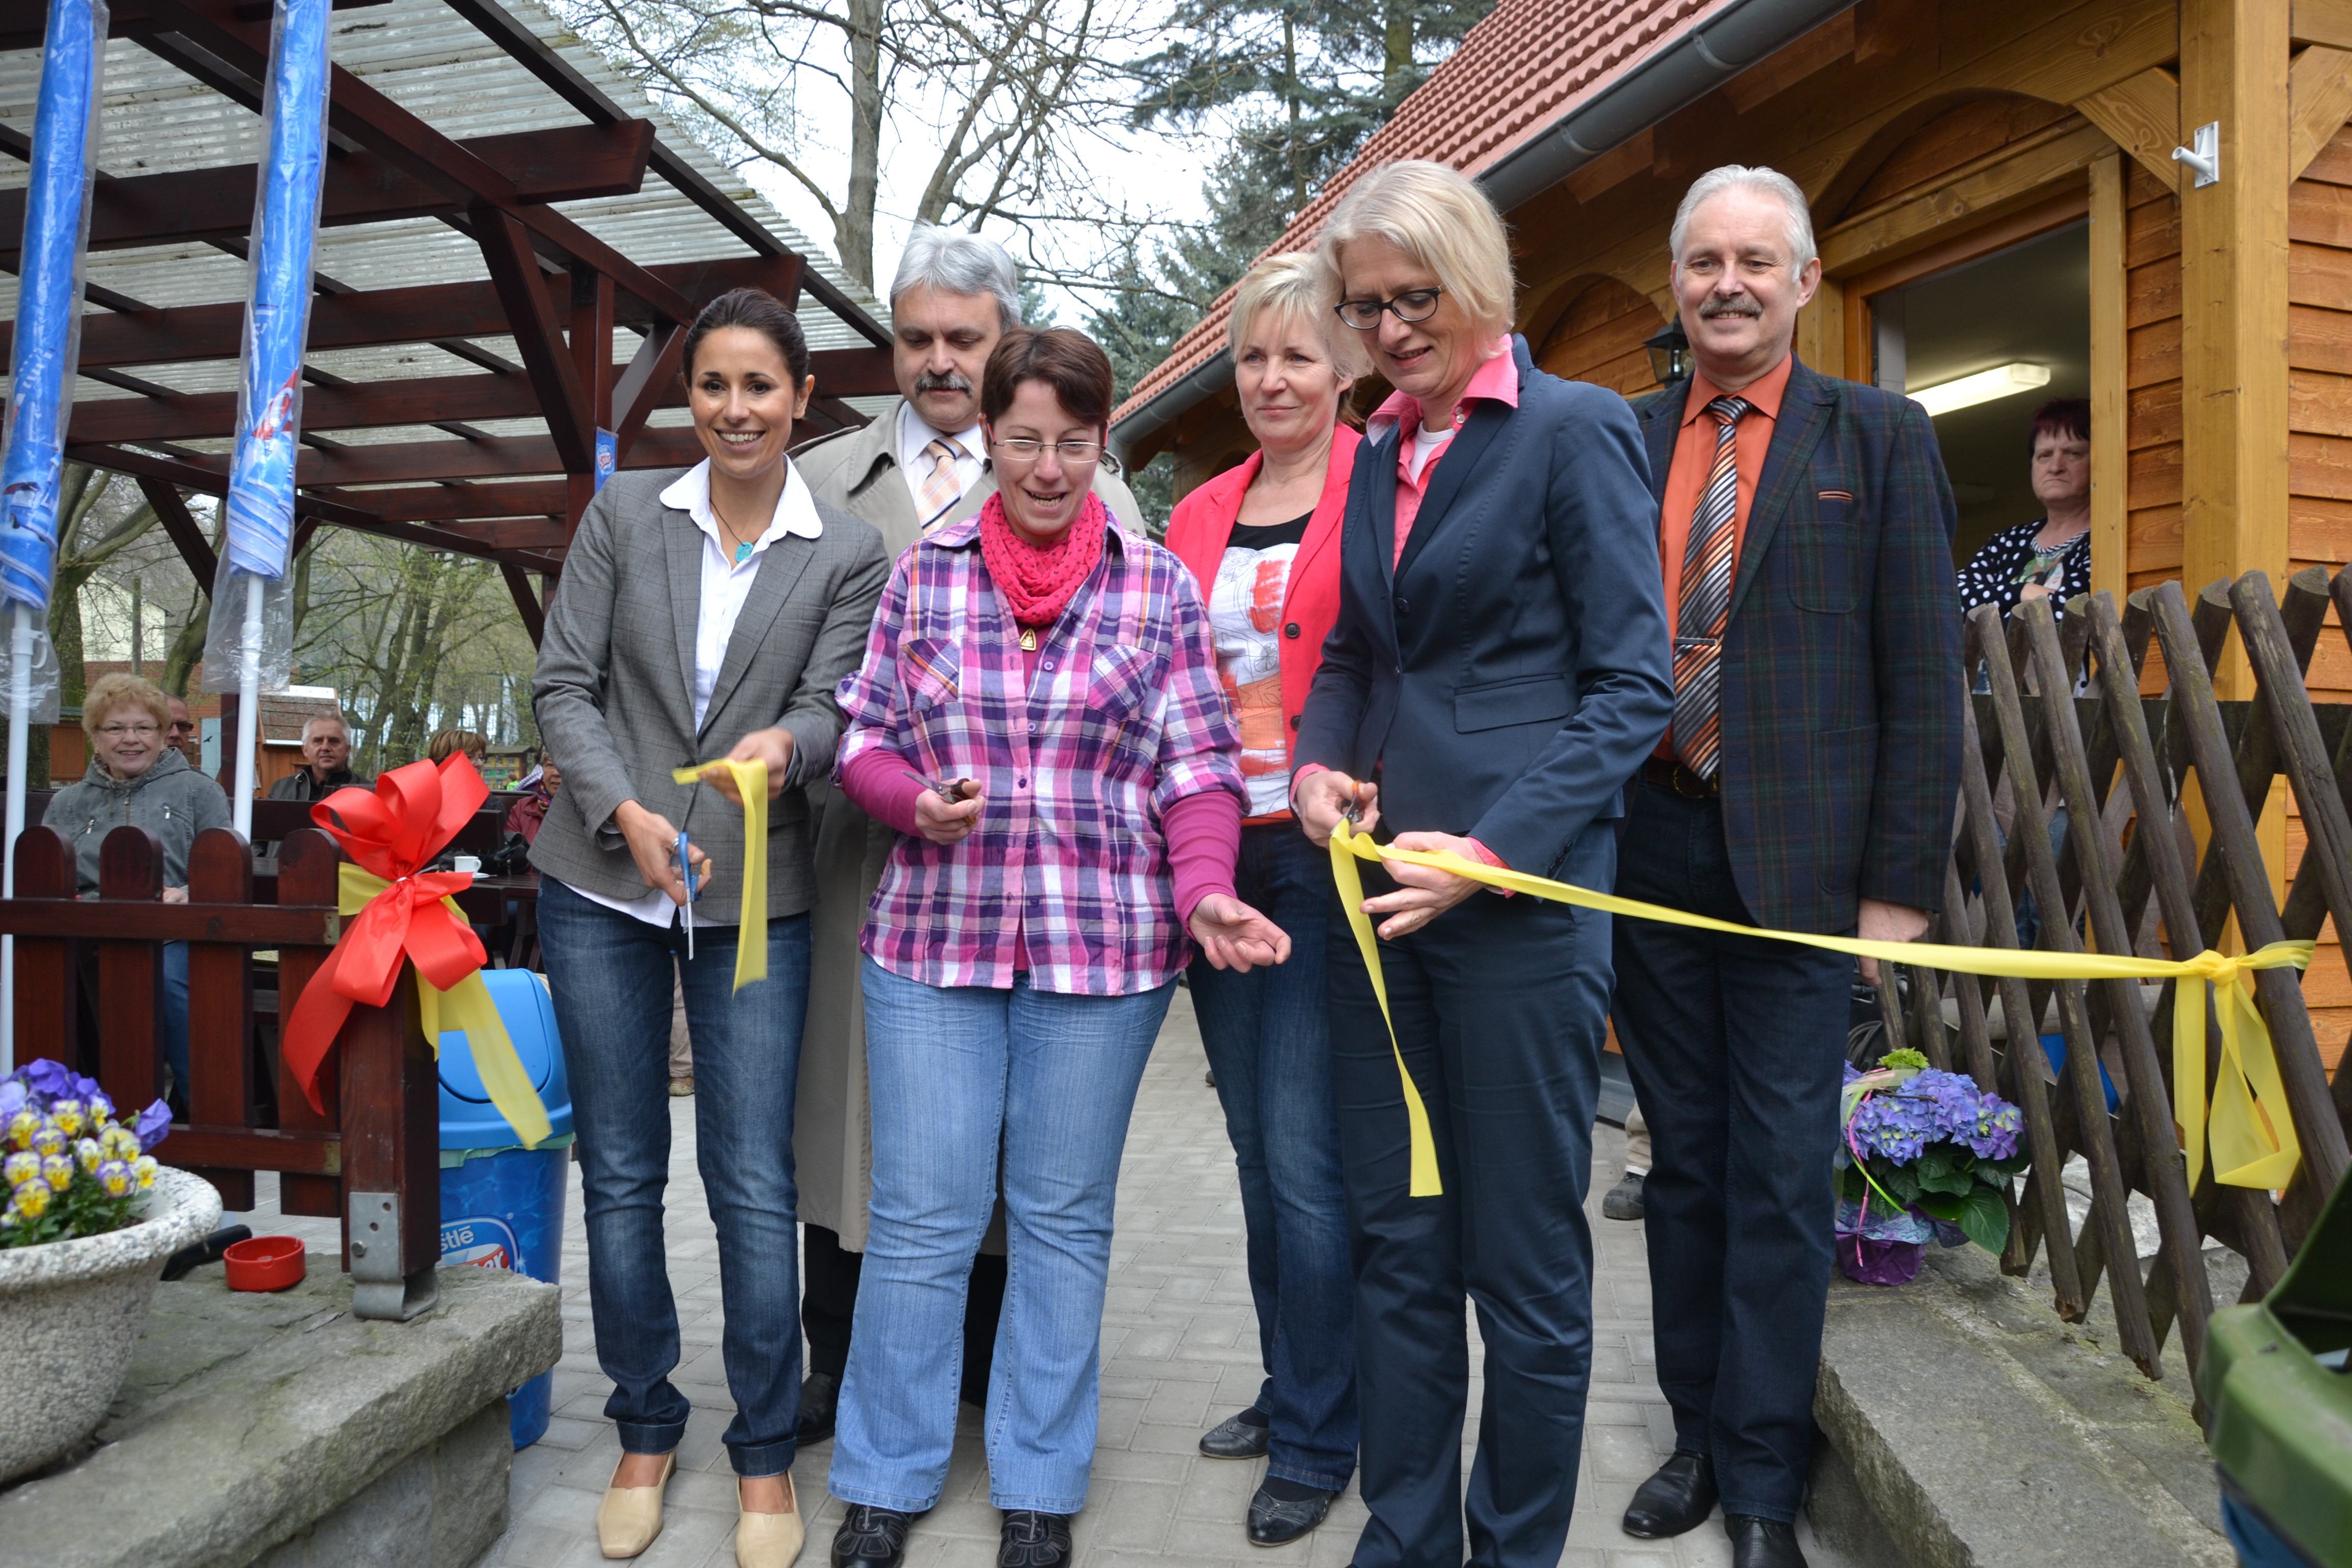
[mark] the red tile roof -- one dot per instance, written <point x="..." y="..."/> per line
<point x="1517" y="73"/>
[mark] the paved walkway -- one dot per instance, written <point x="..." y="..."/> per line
<point x="1180" y="1353"/>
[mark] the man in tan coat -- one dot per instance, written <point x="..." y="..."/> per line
<point x="920" y="463"/>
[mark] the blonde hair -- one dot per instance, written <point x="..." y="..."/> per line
<point x="113" y="691"/>
<point x="1442" y="219"/>
<point x="1295" y="284"/>
<point x="470" y="741"/>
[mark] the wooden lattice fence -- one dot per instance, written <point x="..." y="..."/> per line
<point x="2063" y="725"/>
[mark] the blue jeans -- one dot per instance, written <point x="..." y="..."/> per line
<point x="610" y="974"/>
<point x="176" y="1016"/>
<point x="1269" y="1042"/>
<point x="955" y="1074"/>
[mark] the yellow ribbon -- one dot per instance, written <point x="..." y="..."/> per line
<point x="751" y="928"/>
<point x="2251" y="1130"/>
<point x="465" y="1007"/>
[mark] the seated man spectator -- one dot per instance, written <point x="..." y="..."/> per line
<point x="180" y="735"/>
<point x="326" y="763"/>
<point x="530" y="811"/>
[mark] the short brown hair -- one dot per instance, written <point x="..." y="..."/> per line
<point x="470" y="741"/>
<point x="2059" y="416"/>
<point x="117" y="691"/>
<point x="1065" y="358"/>
<point x="757" y="310"/>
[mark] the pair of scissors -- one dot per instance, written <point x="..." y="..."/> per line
<point x="949" y="790"/>
<point x="685" y="874"/>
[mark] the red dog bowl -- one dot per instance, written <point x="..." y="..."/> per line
<point x="265" y="1263"/>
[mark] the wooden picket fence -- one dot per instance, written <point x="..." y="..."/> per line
<point x="371" y="1160"/>
<point x="2127" y="870"/>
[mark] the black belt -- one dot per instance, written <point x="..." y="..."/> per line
<point x="1673" y="775"/>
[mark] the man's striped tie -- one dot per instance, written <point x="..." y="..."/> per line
<point x="1706" y="600"/>
<point x="940" y="486"/>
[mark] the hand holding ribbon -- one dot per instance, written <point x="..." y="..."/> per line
<point x="751" y="782"/>
<point x="2251" y="1128"/>
<point x="404" y="912"/>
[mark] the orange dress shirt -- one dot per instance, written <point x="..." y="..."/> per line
<point x="1686" y="477"/>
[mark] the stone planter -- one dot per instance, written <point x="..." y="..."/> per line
<point x="70" y="1313"/>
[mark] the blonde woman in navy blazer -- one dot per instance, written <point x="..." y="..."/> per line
<point x="1497" y="671"/>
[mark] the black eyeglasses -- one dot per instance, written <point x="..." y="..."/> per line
<point x="1413" y="305"/>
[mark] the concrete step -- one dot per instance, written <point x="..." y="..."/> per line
<point x="1968" y="1428"/>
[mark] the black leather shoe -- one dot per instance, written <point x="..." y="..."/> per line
<point x="1677" y="1498"/>
<point x="1034" y="1539"/>
<point x="1761" y="1542"/>
<point x="1278" y="1521"/>
<point x="1237" y="1438"/>
<point x="820" y="1399"/>
<point x="871" y="1538"/>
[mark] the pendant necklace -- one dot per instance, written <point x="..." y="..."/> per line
<point x="1028" y="639"/>
<point x="742" y="550"/>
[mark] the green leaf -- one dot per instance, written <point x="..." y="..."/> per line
<point x="1986" y="1218"/>
<point x="1901" y="1182"/>
<point x="1938" y="1173"/>
<point x="1941" y="1206"/>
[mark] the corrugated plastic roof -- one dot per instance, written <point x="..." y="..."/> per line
<point x="432" y="62"/>
<point x="1517" y="73"/>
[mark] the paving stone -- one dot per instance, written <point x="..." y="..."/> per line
<point x="1180" y="1353"/>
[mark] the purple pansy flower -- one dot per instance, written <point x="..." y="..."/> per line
<point x="48" y="1078"/>
<point x="154" y="1125"/>
<point x="12" y="1097"/>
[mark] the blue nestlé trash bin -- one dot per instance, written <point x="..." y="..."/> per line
<point x="501" y="1203"/>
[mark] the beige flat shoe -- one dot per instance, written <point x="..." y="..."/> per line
<point x="630" y="1517"/>
<point x="768" y="1540"/>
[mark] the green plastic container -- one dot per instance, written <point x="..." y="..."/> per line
<point x="2279" y="1405"/>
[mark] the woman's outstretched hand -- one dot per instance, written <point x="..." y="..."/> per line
<point x="1235" y="936"/>
<point x="774" y="747"/>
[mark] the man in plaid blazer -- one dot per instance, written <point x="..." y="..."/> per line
<point x="1807" y="784"/>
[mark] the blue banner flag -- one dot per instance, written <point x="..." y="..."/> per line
<point x="48" y="300"/>
<point x="278" y="317"/>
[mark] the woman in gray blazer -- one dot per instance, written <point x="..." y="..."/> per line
<point x="703" y="613"/>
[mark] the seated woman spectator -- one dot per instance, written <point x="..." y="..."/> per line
<point x="526" y="815"/>
<point x="440" y="748"/>
<point x="1050" y="680"/>
<point x="2051" y="556"/>
<point x="136" y="780"/>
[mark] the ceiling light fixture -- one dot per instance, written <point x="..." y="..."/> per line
<point x="2003" y="381"/>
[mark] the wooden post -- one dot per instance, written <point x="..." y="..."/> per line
<point x="307" y="874"/>
<point x="131" y="976"/>
<point x="219" y="1092"/>
<point x="2233" y="260"/>
<point x="48" y="988"/>
<point x="2233" y="269"/>
<point x="391" y="1170"/>
<point x="2110" y="367"/>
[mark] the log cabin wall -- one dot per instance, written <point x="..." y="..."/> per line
<point x="2319" y="366"/>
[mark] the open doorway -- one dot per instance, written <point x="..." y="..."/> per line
<point x="2019" y="319"/>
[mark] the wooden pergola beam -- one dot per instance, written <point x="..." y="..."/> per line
<point x="398" y="462"/>
<point x="180" y="526"/>
<point x="378" y="318"/>
<point x="199" y="206"/>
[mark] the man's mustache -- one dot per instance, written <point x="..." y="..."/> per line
<point x="953" y="380"/>
<point x="1738" y="305"/>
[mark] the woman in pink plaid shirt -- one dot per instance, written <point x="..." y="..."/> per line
<point x="1039" y="716"/>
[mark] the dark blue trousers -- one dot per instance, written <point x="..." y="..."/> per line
<point x="1500" y="1009"/>
<point x="1269" y="1043"/>
<point x="1737" y="1047"/>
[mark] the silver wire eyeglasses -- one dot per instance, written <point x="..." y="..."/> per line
<point x="1413" y="305"/>
<point x="1072" y="451"/>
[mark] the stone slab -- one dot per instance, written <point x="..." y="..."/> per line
<point x="1980" y="1431"/>
<point x="246" y="1420"/>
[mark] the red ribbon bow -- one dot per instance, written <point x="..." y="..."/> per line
<point x="413" y="813"/>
